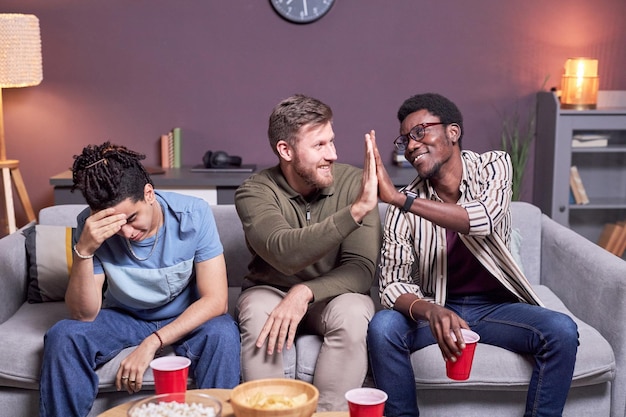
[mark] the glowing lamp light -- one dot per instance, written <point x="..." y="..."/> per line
<point x="579" y="84"/>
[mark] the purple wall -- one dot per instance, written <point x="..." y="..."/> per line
<point x="128" y="71"/>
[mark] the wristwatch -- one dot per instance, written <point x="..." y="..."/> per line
<point x="410" y="197"/>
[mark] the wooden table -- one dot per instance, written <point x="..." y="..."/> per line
<point x="221" y="394"/>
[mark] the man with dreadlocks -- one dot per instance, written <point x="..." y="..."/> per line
<point x="162" y="260"/>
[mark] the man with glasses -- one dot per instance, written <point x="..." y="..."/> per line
<point x="445" y="264"/>
<point x="313" y="228"/>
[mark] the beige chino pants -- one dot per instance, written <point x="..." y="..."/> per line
<point x="342" y="360"/>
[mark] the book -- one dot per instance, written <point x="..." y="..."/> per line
<point x="590" y="140"/>
<point x="620" y="247"/>
<point x="575" y="193"/>
<point x="165" y="151"/>
<point x="610" y="237"/>
<point x="177" y="138"/>
<point x="576" y="184"/>
<point x="170" y="147"/>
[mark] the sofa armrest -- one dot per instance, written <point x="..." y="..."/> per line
<point x="588" y="279"/>
<point x="13" y="274"/>
<point x="592" y="284"/>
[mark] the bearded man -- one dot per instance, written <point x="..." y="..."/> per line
<point x="314" y="231"/>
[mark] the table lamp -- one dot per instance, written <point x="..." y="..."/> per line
<point x="20" y="66"/>
<point x="579" y="84"/>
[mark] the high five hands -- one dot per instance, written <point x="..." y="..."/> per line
<point x="367" y="199"/>
<point x="376" y="182"/>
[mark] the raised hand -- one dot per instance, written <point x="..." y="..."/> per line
<point x="387" y="191"/>
<point x="99" y="227"/>
<point x="367" y="199"/>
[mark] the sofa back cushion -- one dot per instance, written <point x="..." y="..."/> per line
<point x="61" y="215"/>
<point x="527" y="221"/>
<point x="235" y="250"/>
<point x="49" y="260"/>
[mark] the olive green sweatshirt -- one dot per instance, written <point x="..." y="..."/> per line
<point x="314" y="242"/>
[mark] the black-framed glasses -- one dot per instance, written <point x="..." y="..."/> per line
<point x="416" y="133"/>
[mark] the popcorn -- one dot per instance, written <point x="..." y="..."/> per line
<point x="173" y="409"/>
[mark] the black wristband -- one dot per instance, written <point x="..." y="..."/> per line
<point x="410" y="197"/>
<point x="160" y="341"/>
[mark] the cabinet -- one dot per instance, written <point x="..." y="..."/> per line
<point x="602" y="168"/>
<point x="216" y="188"/>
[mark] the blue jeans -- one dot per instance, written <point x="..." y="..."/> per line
<point x="74" y="349"/>
<point x="550" y="337"/>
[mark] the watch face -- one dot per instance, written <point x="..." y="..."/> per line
<point x="302" y="11"/>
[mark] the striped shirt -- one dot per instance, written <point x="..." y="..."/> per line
<point x="413" y="256"/>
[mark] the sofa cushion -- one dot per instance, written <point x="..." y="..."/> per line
<point x="21" y="349"/>
<point x="595" y="362"/>
<point x="49" y="257"/>
<point x="24" y="333"/>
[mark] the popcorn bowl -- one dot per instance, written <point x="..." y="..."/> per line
<point x="188" y="404"/>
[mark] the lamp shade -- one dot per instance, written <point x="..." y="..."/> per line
<point x="20" y="50"/>
<point x="579" y="85"/>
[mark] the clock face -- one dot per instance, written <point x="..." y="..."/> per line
<point x="302" y="11"/>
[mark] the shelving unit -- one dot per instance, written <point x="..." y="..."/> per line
<point x="602" y="169"/>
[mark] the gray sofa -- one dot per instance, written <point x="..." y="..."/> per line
<point x="570" y="273"/>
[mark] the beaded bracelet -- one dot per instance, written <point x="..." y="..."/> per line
<point x="411" y="309"/>
<point x="160" y="341"/>
<point x="82" y="256"/>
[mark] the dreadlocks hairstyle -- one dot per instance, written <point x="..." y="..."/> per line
<point x="108" y="174"/>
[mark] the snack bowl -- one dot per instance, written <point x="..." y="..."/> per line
<point x="188" y="403"/>
<point x="276" y="397"/>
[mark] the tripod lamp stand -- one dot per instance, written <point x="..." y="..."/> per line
<point x="20" y="66"/>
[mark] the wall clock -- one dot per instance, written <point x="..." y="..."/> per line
<point x="302" y="11"/>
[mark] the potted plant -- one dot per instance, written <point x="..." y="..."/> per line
<point x="517" y="135"/>
<point x="516" y="138"/>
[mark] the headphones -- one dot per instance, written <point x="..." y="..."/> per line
<point x="220" y="159"/>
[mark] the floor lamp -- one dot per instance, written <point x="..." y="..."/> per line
<point x="20" y="66"/>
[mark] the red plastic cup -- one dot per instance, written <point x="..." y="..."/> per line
<point x="460" y="370"/>
<point x="366" y="402"/>
<point x="170" y="374"/>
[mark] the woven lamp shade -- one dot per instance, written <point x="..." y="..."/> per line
<point x="20" y="50"/>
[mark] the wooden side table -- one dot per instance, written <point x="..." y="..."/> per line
<point x="221" y="394"/>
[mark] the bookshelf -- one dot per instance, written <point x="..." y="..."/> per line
<point x="602" y="168"/>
